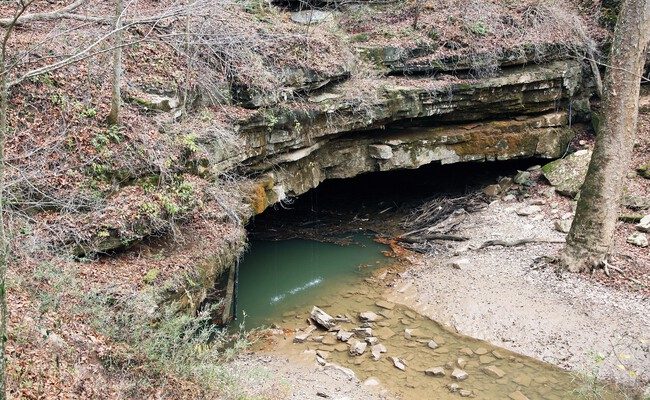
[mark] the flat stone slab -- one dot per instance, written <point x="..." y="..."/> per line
<point x="385" y="304"/>
<point x="493" y="371"/>
<point x="368" y="316"/>
<point x="384" y="333"/>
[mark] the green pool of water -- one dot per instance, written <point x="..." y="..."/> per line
<point x="277" y="276"/>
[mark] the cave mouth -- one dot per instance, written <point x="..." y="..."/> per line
<point x="324" y="241"/>
<point x="335" y="204"/>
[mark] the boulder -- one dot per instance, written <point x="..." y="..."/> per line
<point x="322" y="318"/>
<point x="568" y="174"/>
<point x="638" y="239"/>
<point x="308" y="17"/>
<point x="522" y="178"/>
<point x="644" y="224"/>
<point x="432" y="344"/>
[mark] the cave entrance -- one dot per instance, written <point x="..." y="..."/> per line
<point x="307" y="248"/>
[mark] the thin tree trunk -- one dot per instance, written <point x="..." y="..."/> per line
<point x="590" y="239"/>
<point x="4" y="240"/>
<point x="116" y="96"/>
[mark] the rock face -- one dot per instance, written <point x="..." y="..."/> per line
<point x="519" y="113"/>
<point x="568" y="174"/>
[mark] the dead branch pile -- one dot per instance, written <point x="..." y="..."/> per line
<point x="436" y="219"/>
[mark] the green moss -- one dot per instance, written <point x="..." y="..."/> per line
<point x="644" y="170"/>
<point x="151" y="275"/>
<point x="360" y="38"/>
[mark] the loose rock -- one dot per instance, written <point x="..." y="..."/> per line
<point x="368" y="316"/>
<point x="435" y="371"/>
<point x="522" y="178"/>
<point x="638" y="239"/>
<point x="459" y="375"/>
<point x="463" y="263"/>
<point x="644" y="224"/>
<point x="358" y="348"/>
<point x="322" y="318"/>
<point x="343" y="336"/>
<point x="563" y="225"/>
<point x="362" y="332"/>
<point x="372" y="381"/>
<point x="399" y="364"/>
<point x="304" y="335"/>
<point x="432" y="344"/>
<point x="528" y="210"/>
<point x="465" y="393"/>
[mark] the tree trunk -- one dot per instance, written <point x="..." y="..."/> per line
<point x="590" y="239"/>
<point x="4" y="240"/>
<point x="116" y="96"/>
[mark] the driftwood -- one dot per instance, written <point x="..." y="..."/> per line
<point x="433" y="236"/>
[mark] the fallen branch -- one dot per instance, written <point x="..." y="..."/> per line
<point x="44" y="16"/>
<point x="519" y="242"/>
<point x="435" y="236"/>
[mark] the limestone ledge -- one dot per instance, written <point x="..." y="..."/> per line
<point x="294" y="173"/>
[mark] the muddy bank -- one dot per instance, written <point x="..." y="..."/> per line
<point x="496" y="296"/>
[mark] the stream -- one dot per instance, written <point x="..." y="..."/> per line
<point x="280" y="281"/>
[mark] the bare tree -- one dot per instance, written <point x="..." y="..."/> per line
<point x="590" y="239"/>
<point x="116" y="94"/>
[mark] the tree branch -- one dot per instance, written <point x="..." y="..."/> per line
<point x="45" y="16"/>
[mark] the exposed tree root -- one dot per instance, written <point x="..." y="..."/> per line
<point x="519" y="242"/>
